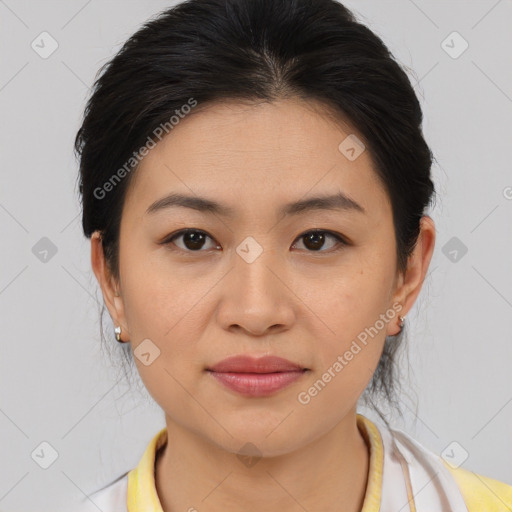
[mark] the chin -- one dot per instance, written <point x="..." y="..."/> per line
<point x="259" y="439"/>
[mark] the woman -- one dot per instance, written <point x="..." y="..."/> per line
<point x="255" y="181"/>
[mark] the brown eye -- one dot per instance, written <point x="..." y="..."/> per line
<point x="315" y="240"/>
<point x="193" y="240"/>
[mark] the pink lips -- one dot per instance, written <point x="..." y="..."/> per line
<point x="256" y="377"/>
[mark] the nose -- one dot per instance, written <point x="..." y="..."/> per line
<point x="256" y="296"/>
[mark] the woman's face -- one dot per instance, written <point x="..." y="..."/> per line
<point x="255" y="283"/>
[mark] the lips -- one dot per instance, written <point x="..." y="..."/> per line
<point x="247" y="364"/>
<point x="256" y="377"/>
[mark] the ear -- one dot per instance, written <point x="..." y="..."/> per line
<point x="409" y="284"/>
<point x="109" y="287"/>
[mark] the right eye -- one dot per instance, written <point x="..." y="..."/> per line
<point x="193" y="240"/>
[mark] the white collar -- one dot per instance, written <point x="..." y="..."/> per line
<point x="414" y="478"/>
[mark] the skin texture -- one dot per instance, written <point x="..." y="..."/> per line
<point x="199" y="307"/>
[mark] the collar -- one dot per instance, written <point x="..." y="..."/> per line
<point x="142" y="495"/>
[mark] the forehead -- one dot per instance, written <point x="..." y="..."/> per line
<point x="258" y="154"/>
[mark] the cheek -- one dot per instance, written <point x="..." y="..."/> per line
<point x="161" y="309"/>
<point x="356" y="309"/>
<point x="158" y="298"/>
<point x="165" y="305"/>
<point x="157" y="310"/>
<point x="346" y="361"/>
<point x="354" y="301"/>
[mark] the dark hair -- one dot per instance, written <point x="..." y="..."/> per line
<point x="257" y="50"/>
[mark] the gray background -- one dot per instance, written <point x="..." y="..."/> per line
<point x="56" y="383"/>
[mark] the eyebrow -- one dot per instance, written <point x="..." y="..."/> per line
<point x="339" y="201"/>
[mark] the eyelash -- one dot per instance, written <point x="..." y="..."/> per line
<point x="170" y="239"/>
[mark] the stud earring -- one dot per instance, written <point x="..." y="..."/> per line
<point x="117" y="330"/>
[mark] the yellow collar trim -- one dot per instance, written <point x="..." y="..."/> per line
<point x="371" y="435"/>
<point x="142" y="495"/>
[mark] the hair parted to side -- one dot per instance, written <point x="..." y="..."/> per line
<point x="258" y="51"/>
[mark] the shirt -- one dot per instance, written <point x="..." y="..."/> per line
<point x="403" y="475"/>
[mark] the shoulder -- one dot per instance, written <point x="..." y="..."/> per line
<point x="478" y="492"/>
<point x="482" y="493"/>
<point x="110" y="498"/>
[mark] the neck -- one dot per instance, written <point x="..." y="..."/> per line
<point x="329" y="474"/>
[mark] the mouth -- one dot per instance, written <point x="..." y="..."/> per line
<point x="256" y="377"/>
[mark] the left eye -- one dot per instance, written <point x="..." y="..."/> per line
<point x="314" y="240"/>
<point x="194" y="240"/>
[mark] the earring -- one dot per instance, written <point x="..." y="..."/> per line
<point x="117" y="330"/>
<point x="401" y="324"/>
